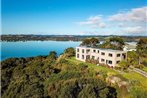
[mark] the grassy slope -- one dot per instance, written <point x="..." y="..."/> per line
<point x="93" y="66"/>
<point x="131" y="76"/>
<point x="145" y="69"/>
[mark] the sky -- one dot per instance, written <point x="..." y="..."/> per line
<point x="74" y="17"/>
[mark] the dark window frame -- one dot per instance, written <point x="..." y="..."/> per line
<point x="93" y="57"/>
<point x="109" y="62"/>
<point x="110" y="55"/>
<point x="94" y="50"/>
<point x="117" y="62"/>
<point x="97" y="51"/>
<point x="78" y="56"/>
<point x="102" y="53"/>
<point x="83" y="56"/>
<point x="83" y="51"/>
<point x="78" y="50"/>
<point x="118" y="55"/>
<point x="102" y="60"/>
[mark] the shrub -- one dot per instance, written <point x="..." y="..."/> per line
<point x="69" y="52"/>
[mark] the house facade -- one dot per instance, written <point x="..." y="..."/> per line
<point x="103" y="56"/>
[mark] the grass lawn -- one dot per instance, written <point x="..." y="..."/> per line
<point x="145" y="69"/>
<point x="136" y="77"/>
<point x="140" y="81"/>
<point x="92" y="66"/>
<point x="127" y="75"/>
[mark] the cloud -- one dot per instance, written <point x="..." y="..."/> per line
<point x="132" y="21"/>
<point x="137" y="29"/>
<point x="94" y="22"/>
<point x="134" y="15"/>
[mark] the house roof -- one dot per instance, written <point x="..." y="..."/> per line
<point x="130" y="46"/>
<point x="103" y="49"/>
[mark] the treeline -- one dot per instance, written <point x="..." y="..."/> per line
<point x="51" y="77"/>
<point x="62" y="37"/>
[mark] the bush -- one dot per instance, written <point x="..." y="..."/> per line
<point x="138" y="92"/>
<point x="123" y="65"/>
<point x="92" y="61"/>
<point x="47" y="76"/>
<point x="79" y="88"/>
<point x="139" y="66"/>
<point x="69" y="52"/>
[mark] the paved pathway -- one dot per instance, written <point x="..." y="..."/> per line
<point x="140" y="71"/>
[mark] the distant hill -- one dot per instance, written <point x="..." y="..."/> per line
<point x="22" y="37"/>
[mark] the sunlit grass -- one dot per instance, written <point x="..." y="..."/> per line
<point x="137" y="77"/>
<point x="127" y="75"/>
<point x="144" y="69"/>
<point x="139" y="86"/>
<point x="92" y="66"/>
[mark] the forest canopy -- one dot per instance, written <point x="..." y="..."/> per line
<point x="49" y="77"/>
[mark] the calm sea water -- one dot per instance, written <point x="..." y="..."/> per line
<point x="33" y="48"/>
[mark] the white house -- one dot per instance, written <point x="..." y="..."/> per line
<point x="104" y="56"/>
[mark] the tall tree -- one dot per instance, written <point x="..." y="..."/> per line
<point x="69" y="52"/>
<point x="113" y="43"/>
<point x="132" y="58"/>
<point x="117" y="41"/>
<point x="90" y="42"/>
<point x="52" y="55"/>
<point x="142" y="48"/>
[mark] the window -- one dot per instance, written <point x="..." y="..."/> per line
<point x="110" y="62"/>
<point x="77" y="55"/>
<point x="117" y="62"/>
<point x="82" y="50"/>
<point x="82" y="56"/>
<point x="88" y="50"/>
<point x="118" y="55"/>
<point x="94" y="50"/>
<point x="78" y="50"/>
<point x="97" y="51"/>
<point x="124" y="55"/>
<point x="93" y="57"/>
<point x="102" y="60"/>
<point x="88" y="57"/>
<point x="98" y="58"/>
<point x="110" y="54"/>
<point x="102" y="53"/>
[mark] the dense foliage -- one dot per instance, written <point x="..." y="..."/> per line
<point x="137" y="58"/>
<point x="90" y="42"/>
<point x="24" y="77"/>
<point x="113" y="43"/>
<point x="142" y="51"/>
<point x="49" y="76"/>
<point x="69" y="52"/>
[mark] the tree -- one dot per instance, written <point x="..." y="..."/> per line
<point x="52" y="55"/>
<point x="94" y="41"/>
<point x="132" y="58"/>
<point x="69" y="52"/>
<point x="113" y="43"/>
<point x="90" y="42"/>
<point x="142" y="48"/>
<point x="123" y="64"/>
<point x="117" y="41"/>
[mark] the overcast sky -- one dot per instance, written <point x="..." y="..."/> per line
<point x="74" y="17"/>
